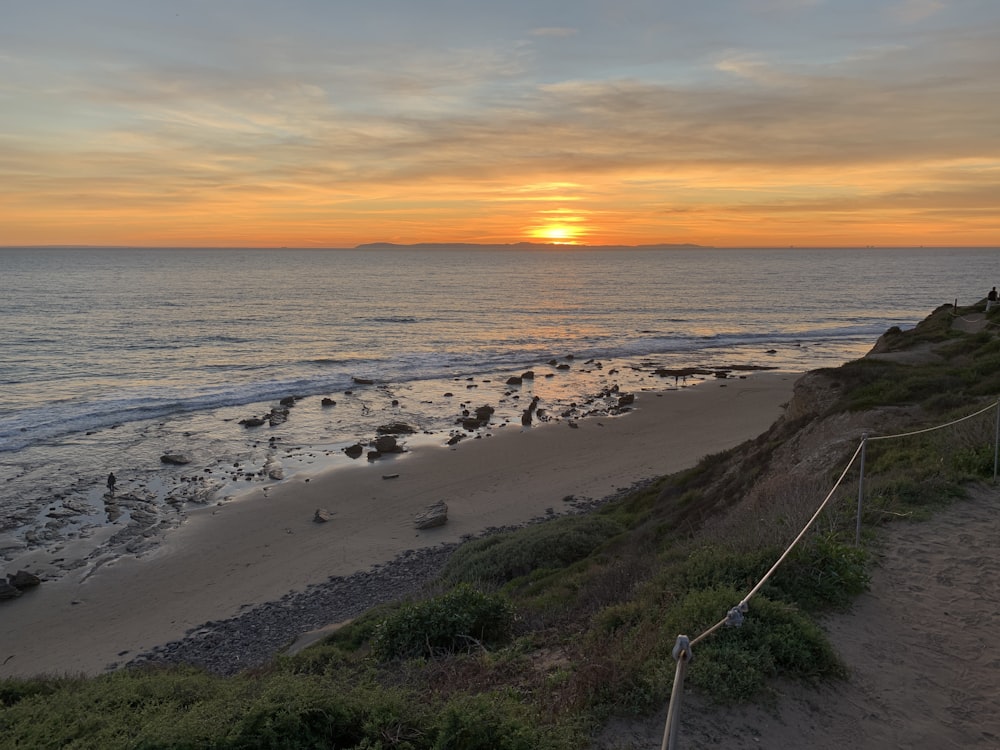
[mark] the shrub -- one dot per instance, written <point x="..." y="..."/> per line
<point x="504" y="557"/>
<point x="13" y="690"/>
<point x="821" y="572"/>
<point x="300" y="711"/>
<point x="454" y="621"/>
<point x="733" y="664"/>
<point x="489" y="722"/>
<point x="712" y="567"/>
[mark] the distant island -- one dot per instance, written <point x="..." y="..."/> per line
<point x="519" y="246"/>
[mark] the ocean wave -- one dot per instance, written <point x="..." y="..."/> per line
<point x="243" y="383"/>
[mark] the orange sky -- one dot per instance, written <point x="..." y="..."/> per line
<point x="779" y="122"/>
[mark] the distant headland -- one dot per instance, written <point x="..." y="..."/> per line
<point x="518" y="246"/>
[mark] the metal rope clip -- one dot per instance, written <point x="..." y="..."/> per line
<point x="682" y="648"/>
<point x="734" y="618"/>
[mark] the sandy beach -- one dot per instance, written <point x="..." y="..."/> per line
<point x="265" y="544"/>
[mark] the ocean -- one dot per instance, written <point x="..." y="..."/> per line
<point x="112" y="358"/>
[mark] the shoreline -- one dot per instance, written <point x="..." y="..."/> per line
<point x="58" y="516"/>
<point x="264" y="548"/>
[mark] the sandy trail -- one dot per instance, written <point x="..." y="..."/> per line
<point x="923" y="647"/>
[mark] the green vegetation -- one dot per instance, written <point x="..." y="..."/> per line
<point x="501" y="558"/>
<point x="454" y="621"/>
<point x="534" y="637"/>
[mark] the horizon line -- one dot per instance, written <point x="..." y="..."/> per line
<point x="513" y="245"/>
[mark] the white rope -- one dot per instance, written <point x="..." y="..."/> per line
<point x="735" y="615"/>
<point x="805" y="528"/>
<point x="931" y="429"/>
<point x="986" y="323"/>
<point x="969" y="320"/>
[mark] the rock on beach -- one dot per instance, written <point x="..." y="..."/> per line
<point x="432" y="515"/>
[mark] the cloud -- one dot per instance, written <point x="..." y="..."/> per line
<point x="335" y="133"/>
<point x="915" y="11"/>
<point x="758" y="70"/>
<point x="558" y="31"/>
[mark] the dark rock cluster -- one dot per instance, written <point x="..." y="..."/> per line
<point x="17" y="583"/>
<point x="386" y="442"/>
<point x="278" y="414"/>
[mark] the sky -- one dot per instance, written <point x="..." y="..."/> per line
<point x="330" y="123"/>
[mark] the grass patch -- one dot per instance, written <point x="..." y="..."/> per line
<point x="458" y="620"/>
<point x="500" y="558"/>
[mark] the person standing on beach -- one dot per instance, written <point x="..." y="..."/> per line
<point x="111" y="483"/>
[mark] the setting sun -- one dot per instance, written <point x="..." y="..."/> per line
<point x="558" y="234"/>
<point x="559" y="226"/>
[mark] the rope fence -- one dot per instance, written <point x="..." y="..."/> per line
<point x="682" y="651"/>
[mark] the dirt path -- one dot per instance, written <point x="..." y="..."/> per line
<point x="923" y="647"/>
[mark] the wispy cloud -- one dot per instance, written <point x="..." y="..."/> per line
<point x="465" y="139"/>
<point x="558" y="31"/>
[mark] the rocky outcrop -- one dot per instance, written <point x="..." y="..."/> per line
<point x="7" y="591"/>
<point x="277" y="416"/>
<point x="813" y="395"/>
<point x="396" y="428"/>
<point x="22" y="580"/>
<point x="175" y="459"/>
<point x="198" y="490"/>
<point x="273" y="468"/>
<point x="387" y="444"/>
<point x="519" y="379"/>
<point x="322" y="516"/>
<point x="432" y="516"/>
<point x="472" y="421"/>
<point x="16" y="583"/>
<point x="382" y="445"/>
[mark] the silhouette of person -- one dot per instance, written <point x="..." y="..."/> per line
<point x="992" y="296"/>
<point x="112" y="481"/>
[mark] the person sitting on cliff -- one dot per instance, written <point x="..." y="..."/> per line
<point x="991" y="298"/>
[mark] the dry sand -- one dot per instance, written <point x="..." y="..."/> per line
<point x="264" y="545"/>
<point x="921" y="646"/>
